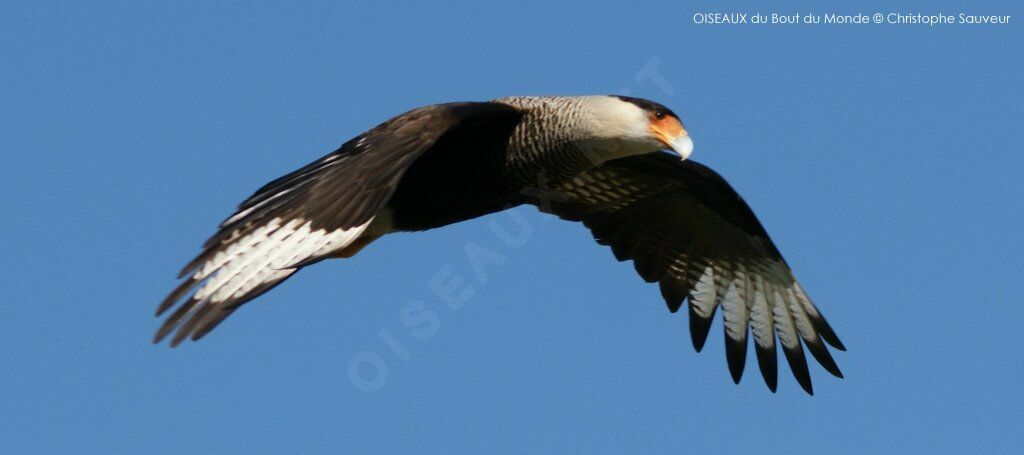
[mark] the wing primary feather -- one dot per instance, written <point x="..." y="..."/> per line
<point x="176" y="294"/>
<point x="820" y="323"/>
<point x="767" y="361"/>
<point x="185" y="329"/>
<point x="810" y="337"/>
<point x="674" y="290"/>
<point x="791" y="345"/>
<point x="703" y="303"/>
<point x="700" y="327"/>
<point x="826" y="332"/>
<point x="734" y="311"/>
<point x="798" y="364"/>
<point x="211" y="321"/>
<point x="257" y="291"/>
<point x="764" y="335"/>
<point x="736" y="354"/>
<point x="175" y="319"/>
<point x="821" y="354"/>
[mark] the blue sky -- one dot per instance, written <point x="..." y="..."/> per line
<point x="884" y="160"/>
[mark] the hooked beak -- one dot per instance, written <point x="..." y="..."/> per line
<point x="682" y="145"/>
<point x="674" y="136"/>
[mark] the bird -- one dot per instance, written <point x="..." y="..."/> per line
<point x="617" y="164"/>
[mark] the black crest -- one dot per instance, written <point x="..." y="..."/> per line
<point x="647" y="105"/>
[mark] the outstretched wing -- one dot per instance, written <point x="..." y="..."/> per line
<point x="308" y="214"/>
<point x="686" y="228"/>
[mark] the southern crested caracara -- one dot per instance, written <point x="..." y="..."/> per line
<point x="592" y="159"/>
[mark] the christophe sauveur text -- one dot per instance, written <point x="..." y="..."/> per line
<point x="832" y="18"/>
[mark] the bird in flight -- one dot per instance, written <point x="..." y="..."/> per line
<point x="598" y="160"/>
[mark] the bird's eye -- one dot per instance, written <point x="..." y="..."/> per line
<point x="659" y="115"/>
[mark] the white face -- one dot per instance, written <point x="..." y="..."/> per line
<point x="620" y="128"/>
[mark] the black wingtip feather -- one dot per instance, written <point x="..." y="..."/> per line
<point x="188" y="268"/>
<point x="674" y="292"/>
<point x="820" y="353"/>
<point x="827" y="334"/>
<point x="736" y="354"/>
<point x="175" y="295"/>
<point x="798" y="363"/>
<point x="699" y="327"/>
<point x="767" y="361"/>
<point x="174" y="319"/>
<point x="186" y="329"/>
<point x="211" y="323"/>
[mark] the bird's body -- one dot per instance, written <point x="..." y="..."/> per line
<point x="522" y="144"/>
<point x="591" y="159"/>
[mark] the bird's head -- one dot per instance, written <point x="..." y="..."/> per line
<point x="625" y="126"/>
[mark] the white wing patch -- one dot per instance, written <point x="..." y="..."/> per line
<point x="703" y="297"/>
<point x="734" y="308"/>
<point x="761" y="316"/>
<point x="266" y="255"/>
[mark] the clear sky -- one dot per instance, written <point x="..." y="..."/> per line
<point x="885" y="160"/>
